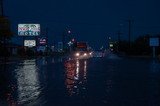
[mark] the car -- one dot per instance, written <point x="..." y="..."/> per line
<point x="82" y="54"/>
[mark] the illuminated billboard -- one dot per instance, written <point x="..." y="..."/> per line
<point x="110" y="45"/>
<point x="29" y="43"/>
<point x="42" y="41"/>
<point x="81" y="45"/>
<point x="28" y="29"/>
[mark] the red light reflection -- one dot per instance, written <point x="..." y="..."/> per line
<point x="76" y="75"/>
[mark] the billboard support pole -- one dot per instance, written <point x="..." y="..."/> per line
<point x="154" y="42"/>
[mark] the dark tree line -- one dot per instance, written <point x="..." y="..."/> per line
<point x="5" y="35"/>
<point x="140" y="46"/>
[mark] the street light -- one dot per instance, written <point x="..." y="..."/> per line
<point x="69" y="31"/>
<point x="65" y="37"/>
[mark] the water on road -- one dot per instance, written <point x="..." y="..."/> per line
<point x="108" y="81"/>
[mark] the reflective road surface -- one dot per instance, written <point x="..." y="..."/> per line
<point x="108" y="81"/>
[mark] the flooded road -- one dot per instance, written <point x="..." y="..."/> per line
<point x="109" y="81"/>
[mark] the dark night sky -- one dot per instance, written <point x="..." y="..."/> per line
<point x="89" y="20"/>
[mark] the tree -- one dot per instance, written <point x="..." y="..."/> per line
<point x="5" y="33"/>
<point x="141" y="45"/>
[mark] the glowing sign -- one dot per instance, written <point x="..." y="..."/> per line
<point x="110" y="45"/>
<point x="42" y="41"/>
<point x="28" y="29"/>
<point x="81" y="45"/>
<point x="154" y="41"/>
<point x="29" y="43"/>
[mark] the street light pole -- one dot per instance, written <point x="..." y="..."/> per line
<point x="63" y="40"/>
<point x="65" y="36"/>
<point x="2" y="11"/>
<point x="119" y="40"/>
<point x="129" y="30"/>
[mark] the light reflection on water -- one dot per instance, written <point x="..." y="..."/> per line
<point x="76" y="76"/>
<point x="27" y="81"/>
<point x="42" y="81"/>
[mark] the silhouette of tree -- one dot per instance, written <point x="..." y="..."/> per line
<point x="5" y="33"/>
<point x="139" y="47"/>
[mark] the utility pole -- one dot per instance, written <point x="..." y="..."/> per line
<point x="63" y="39"/>
<point x="119" y="36"/>
<point x="2" y="11"/>
<point x="119" y="33"/>
<point x="129" y="31"/>
<point x="130" y="21"/>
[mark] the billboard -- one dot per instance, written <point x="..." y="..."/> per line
<point x="154" y="41"/>
<point x="28" y="29"/>
<point x="42" y="41"/>
<point x="81" y="45"/>
<point x="29" y="43"/>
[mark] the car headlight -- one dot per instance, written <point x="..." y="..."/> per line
<point x="85" y="54"/>
<point x="77" y="54"/>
